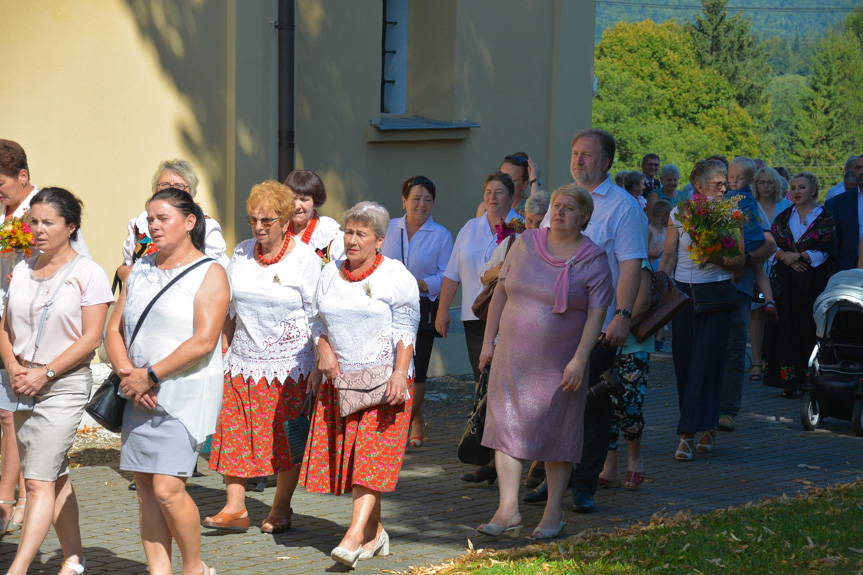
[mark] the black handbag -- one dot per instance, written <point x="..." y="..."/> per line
<point x="714" y="296"/>
<point x="297" y="430"/>
<point x="775" y="283"/>
<point x="470" y="448"/>
<point x="106" y="406"/>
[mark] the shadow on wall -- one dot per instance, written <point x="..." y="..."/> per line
<point x="193" y="57"/>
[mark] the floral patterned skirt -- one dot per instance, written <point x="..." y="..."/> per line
<point x="366" y="448"/>
<point x="250" y="438"/>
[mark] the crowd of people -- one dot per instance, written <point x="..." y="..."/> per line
<point x="336" y="321"/>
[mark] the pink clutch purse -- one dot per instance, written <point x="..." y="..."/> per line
<point x="360" y="390"/>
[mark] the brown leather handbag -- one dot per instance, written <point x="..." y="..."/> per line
<point x="666" y="302"/>
<point x="483" y="300"/>
<point x="362" y="389"/>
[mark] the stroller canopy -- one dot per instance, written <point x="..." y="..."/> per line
<point x="844" y="290"/>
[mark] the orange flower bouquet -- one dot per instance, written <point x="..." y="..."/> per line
<point x="714" y="227"/>
<point x="16" y="236"/>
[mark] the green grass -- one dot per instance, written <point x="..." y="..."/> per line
<point x="820" y="532"/>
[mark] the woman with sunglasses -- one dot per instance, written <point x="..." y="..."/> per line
<point x="525" y="175"/>
<point x="269" y="358"/>
<point x="181" y="175"/>
<point x="424" y="247"/>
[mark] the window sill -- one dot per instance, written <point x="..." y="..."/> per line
<point x="416" y="129"/>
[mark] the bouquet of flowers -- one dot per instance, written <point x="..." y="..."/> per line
<point x="16" y="236"/>
<point x="506" y="229"/>
<point x="713" y="226"/>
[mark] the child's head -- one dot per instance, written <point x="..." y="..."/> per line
<point x="661" y="211"/>
<point x="740" y="172"/>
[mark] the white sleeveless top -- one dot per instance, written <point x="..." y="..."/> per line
<point x="688" y="270"/>
<point x="195" y="395"/>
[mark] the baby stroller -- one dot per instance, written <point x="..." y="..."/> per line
<point x="834" y="386"/>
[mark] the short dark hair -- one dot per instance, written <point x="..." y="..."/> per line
<point x="307" y="183"/>
<point x="519" y="160"/>
<point x="631" y="179"/>
<point x="719" y="158"/>
<point x="650" y="156"/>
<point x="503" y="178"/>
<point x="183" y="201"/>
<point x="13" y="159"/>
<point x="606" y="142"/>
<point x="418" y="181"/>
<point x="65" y="202"/>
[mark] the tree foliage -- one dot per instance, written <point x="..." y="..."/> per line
<point x="728" y="45"/>
<point x="654" y="96"/>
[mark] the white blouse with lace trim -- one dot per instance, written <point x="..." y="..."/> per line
<point x="272" y="306"/>
<point x="365" y="320"/>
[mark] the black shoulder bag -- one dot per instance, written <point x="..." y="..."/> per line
<point x="470" y="448"/>
<point x="106" y="406"/>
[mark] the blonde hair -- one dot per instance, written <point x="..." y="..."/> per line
<point x="274" y="195"/>
<point x="580" y="195"/>
<point x="774" y="177"/>
<point x="183" y="169"/>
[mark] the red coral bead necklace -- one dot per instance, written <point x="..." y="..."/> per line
<point x="346" y="273"/>
<point x="310" y="228"/>
<point x="264" y="260"/>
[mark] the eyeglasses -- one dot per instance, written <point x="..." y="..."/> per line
<point x="520" y="160"/>
<point x="179" y="186"/>
<point x="267" y="223"/>
<point x="717" y="185"/>
<point x="764" y="182"/>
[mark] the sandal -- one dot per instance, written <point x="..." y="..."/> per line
<point x="16" y="525"/>
<point x="635" y="478"/>
<point x="758" y="377"/>
<point x="512" y="528"/>
<point x="277" y="524"/>
<point x="684" y="450"/>
<point x="78" y="568"/>
<point x="417" y="440"/>
<point x="707" y="442"/>
<point x="224" y="521"/>
<point x="208" y="570"/>
<point x="4" y="524"/>
<point x="602" y="482"/>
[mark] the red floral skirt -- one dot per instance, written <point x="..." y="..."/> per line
<point x="250" y="438"/>
<point x="366" y="448"/>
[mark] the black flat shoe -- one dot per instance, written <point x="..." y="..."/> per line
<point x="480" y="474"/>
<point x="538" y="495"/>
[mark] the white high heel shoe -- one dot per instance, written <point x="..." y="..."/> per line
<point x="382" y="547"/>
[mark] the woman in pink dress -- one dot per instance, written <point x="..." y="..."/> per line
<point x="547" y="314"/>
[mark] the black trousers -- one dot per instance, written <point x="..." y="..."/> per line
<point x="597" y="426"/>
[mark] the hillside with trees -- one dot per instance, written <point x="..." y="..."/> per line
<point x="712" y="84"/>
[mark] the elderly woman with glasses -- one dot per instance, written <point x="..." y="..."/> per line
<point x="178" y="174"/>
<point x="269" y="358"/>
<point x="700" y="338"/>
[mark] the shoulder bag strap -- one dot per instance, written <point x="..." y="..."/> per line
<point x="509" y="246"/>
<point x="48" y="305"/>
<point x="158" y="295"/>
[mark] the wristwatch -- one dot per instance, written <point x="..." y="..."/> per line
<point x="623" y="312"/>
<point x="748" y="258"/>
<point x="49" y="372"/>
<point x="153" y="377"/>
<point x="537" y="180"/>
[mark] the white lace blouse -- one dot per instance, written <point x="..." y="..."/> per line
<point x="272" y="306"/>
<point x="365" y="320"/>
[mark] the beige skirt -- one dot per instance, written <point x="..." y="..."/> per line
<point x="46" y="433"/>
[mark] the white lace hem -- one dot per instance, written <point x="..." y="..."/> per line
<point x="294" y="367"/>
<point x="406" y="321"/>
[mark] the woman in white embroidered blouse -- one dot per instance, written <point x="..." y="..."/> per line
<point x="366" y="315"/>
<point x="268" y="358"/>
<point x="424" y="247"/>
<point x="323" y="234"/>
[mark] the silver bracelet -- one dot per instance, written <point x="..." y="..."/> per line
<point x="491" y="342"/>
<point x="401" y="372"/>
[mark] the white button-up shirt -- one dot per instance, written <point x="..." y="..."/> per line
<point x="425" y="254"/>
<point x="474" y="246"/>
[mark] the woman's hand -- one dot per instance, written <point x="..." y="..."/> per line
<point x="573" y="374"/>
<point x="327" y="363"/>
<point x="491" y="274"/>
<point x="532" y="170"/>
<point x="148" y="400"/>
<point x="315" y="380"/>
<point x="442" y="321"/>
<point x="486" y="354"/>
<point x="29" y="381"/>
<point x="397" y="388"/>
<point x="422" y="286"/>
<point x="135" y="383"/>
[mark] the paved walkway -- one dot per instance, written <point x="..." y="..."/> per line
<point x="432" y="513"/>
